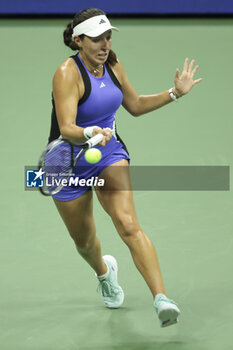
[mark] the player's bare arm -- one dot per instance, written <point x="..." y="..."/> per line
<point x="141" y="104"/>
<point x="67" y="91"/>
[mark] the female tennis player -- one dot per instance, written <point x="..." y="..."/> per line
<point x="88" y="89"/>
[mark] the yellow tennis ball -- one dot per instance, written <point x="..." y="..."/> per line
<point x="93" y="155"/>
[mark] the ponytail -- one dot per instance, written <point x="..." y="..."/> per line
<point x="67" y="35"/>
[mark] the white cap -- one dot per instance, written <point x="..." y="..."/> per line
<point x="93" y="27"/>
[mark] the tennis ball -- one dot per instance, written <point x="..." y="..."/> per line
<point x="93" y="155"/>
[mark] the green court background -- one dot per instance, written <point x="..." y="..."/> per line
<point x="48" y="293"/>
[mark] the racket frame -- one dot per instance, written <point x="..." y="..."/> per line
<point x="84" y="146"/>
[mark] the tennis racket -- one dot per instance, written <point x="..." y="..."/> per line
<point x="58" y="160"/>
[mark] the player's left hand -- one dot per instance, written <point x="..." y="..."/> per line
<point x="185" y="81"/>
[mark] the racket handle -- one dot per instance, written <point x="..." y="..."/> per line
<point x="94" y="140"/>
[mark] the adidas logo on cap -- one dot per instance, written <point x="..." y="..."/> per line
<point x="102" y="21"/>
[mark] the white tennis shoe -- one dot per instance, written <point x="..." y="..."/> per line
<point x="112" y="293"/>
<point x="167" y="310"/>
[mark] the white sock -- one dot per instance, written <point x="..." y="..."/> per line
<point x="105" y="275"/>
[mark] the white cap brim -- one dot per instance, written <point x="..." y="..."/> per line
<point x="93" y="27"/>
<point x="97" y="32"/>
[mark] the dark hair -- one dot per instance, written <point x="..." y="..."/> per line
<point x="79" y="18"/>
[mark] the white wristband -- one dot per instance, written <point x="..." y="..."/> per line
<point x="172" y="95"/>
<point x="88" y="132"/>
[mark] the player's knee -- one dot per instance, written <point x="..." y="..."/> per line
<point x="84" y="237"/>
<point x="129" y="228"/>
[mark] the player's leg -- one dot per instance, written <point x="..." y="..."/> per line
<point x="77" y="215"/>
<point x="118" y="203"/>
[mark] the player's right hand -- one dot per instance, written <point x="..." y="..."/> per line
<point x="107" y="132"/>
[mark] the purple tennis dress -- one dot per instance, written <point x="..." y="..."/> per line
<point x="101" y="100"/>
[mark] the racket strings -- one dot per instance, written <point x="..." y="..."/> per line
<point x="57" y="166"/>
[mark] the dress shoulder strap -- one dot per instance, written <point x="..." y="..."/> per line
<point x="112" y="76"/>
<point x="86" y="79"/>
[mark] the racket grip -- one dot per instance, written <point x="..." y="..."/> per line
<point x="94" y="140"/>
